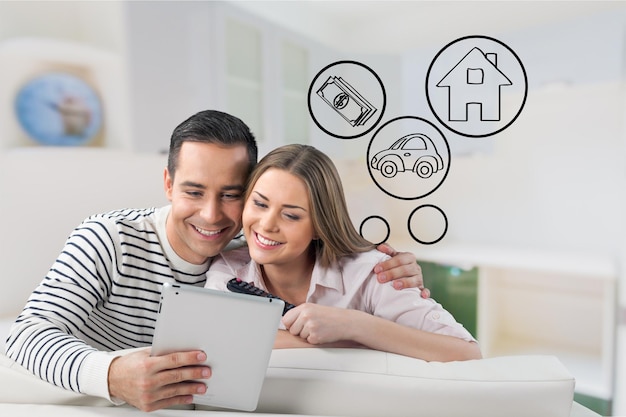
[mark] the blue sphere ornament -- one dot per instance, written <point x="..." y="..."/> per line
<point x="59" y="109"/>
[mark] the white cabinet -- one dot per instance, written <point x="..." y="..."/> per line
<point x="560" y="313"/>
<point x="263" y="76"/>
<point x="538" y="302"/>
<point x="213" y="55"/>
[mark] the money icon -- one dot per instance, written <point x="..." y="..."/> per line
<point x="346" y="101"/>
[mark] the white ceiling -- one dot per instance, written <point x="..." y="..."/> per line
<point x="396" y="26"/>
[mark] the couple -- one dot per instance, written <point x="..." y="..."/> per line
<point x="102" y="293"/>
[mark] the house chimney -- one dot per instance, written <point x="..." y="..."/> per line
<point x="493" y="58"/>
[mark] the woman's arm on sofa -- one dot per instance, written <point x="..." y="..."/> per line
<point x="322" y="325"/>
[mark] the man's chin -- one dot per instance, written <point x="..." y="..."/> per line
<point x="214" y="248"/>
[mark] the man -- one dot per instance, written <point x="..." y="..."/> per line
<point x="102" y="293"/>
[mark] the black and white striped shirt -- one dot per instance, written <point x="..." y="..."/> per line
<point x="101" y="295"/>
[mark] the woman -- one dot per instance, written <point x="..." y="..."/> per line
<point x="305" y="249"/>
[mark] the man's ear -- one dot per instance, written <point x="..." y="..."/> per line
<point x="168" y="184"/>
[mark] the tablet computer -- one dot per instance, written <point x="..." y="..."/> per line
<point x="236" y="331"/>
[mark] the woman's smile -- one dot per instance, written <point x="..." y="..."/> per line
<point x="265" y="242"/>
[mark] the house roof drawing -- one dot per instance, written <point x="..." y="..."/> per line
<point x="474" y="59"/>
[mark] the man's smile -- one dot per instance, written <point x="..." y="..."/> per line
<point x="208" y="233"/>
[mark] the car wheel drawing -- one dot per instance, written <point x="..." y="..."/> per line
<point x="389" y="169"/>
<point x="424" y="169"/>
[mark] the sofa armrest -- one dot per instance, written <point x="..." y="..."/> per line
<point x="5" y="325"/>
<point x="363" y="383"/>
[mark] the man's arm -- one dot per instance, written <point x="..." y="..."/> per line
<point x="402" y="269"/>
<point x="43" y="340"/>
<point x="44" y="337"/>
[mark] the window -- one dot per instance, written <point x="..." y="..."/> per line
<point x="244" y="74"/>
<point x="475" y="76"/>
<point x="295" y="62"/>
<point x="415" y="143"/>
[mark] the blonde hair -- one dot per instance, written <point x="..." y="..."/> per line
<point x="337" y="236"/>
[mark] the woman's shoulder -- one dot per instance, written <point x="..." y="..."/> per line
<point x="235" y="258"/>
<point x="225" y="266"/>
<point x="370" y="257"/>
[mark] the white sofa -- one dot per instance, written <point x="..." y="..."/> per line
<point x="46" y="192"/>
<point x="365" y="383"/>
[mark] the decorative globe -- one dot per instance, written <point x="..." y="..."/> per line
<point x="59" y="109"/>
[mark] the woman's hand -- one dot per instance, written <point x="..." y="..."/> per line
<point x="319" y="324"/>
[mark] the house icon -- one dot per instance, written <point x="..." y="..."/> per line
<point x="474" y="81"/>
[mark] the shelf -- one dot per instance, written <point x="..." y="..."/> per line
<point x="467" y="256"/>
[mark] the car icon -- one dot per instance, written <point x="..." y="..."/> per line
<point x="415" y="152"/>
